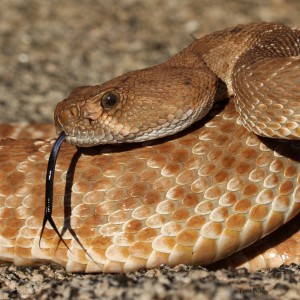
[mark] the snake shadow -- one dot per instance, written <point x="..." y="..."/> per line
<point x="274" y="239"/>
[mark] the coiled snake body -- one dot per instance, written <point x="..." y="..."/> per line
<point x="194" y="198"/>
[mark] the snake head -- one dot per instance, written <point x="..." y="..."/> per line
<point x="137" y="106"/>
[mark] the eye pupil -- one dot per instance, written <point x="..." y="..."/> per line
<point x="110" y="100"/>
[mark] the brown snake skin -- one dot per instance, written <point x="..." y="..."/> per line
<point x="193" y="198"/>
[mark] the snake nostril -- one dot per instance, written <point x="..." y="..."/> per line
<point x="74" y="111"/>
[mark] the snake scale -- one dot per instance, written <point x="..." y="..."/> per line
<point x="182" y="194"/>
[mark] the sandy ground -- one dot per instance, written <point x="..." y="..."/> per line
<point x="49" y="47"/>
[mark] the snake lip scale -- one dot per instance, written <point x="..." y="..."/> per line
<point x="194" y="198"/>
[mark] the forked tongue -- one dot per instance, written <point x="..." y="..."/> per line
<point x="49" y="187"/>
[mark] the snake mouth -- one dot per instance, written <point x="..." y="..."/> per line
<point x="82" y="142"/>
<point x="79" y="138"/>
<point x="89" y="137"/>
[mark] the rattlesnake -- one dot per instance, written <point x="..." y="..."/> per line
<point x="195" y="197"/>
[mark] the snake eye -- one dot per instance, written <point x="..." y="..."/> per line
<point x="110" y="100"/>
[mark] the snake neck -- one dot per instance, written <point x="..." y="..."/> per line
<point x="225" y="51"/>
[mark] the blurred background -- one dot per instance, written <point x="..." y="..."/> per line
<point x="49" y="47"/>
